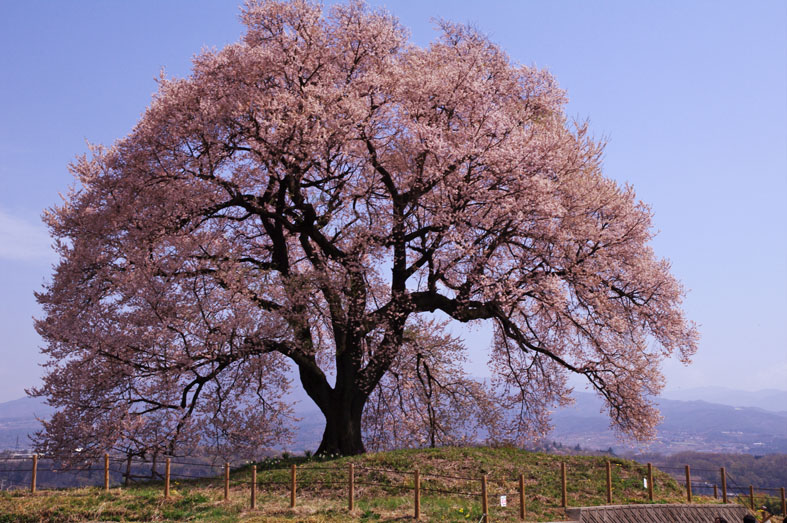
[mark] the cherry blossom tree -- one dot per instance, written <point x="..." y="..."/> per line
<point x="425" y="398"/>
<point x="310" y="197"/>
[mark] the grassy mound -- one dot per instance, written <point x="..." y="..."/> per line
<point x="450" y="490"/>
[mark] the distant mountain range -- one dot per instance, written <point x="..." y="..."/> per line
<point x="25" y="408"/>
<point x="687" y="426"/>
<point x="759" y="426"/>
<point x="18" y="420"/>
<point x="768" y="399"/>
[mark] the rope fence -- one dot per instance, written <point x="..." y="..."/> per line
<point x="354" y="480"/>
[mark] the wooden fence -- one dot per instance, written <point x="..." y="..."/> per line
<point x="723" y="490"/>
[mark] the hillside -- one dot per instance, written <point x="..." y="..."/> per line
<point x="687" y="426"/>
<point x="768" y="471"/>
<point x="450" y="490"/>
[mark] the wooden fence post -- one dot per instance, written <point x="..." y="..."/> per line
<point x="715" y="491"/>
<point x="688" y="484"/>
<point x="609" y="483"/>
<point x="417" y="490"/>
<point x="723" y="485"/>
<point x="522" y="497"/>
<point x="563" y="490"/>
<point x="484" y="499"/>
<point x="35" y="471"/>
<point x="106" y="472"/>
<point x="351" y="487"/>
<point x="166" y="479"/>
<point x="254" y="486"/>
<point x="226" y="482"/>
<point x="650" y="481"/>
<point x="784" y="505"/>
<point x="292" y="485"/>
<point x="751" y="496"/>
<point x="128" y="472"/>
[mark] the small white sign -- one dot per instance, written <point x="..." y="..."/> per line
<point x="645" y="482"/>
<point x="502" y="501"/>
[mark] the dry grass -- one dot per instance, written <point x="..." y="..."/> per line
<point x="450" y="482"/>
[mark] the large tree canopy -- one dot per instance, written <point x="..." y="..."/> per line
<point x="309" y="197"/>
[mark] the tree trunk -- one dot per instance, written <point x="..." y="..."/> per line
<point x="342" y="433"/>
<point x="342" y="405"/>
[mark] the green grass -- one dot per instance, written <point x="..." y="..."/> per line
<point x="450" y="483"/>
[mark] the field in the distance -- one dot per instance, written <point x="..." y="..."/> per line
<point x="450" y="490"/>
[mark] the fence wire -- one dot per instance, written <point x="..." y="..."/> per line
<point x="311" y="475"/>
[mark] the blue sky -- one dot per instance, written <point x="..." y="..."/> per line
<point x="691" y="96"/>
